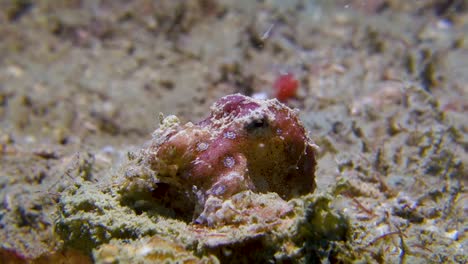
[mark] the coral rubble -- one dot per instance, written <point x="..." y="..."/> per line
<point x="148" y="250"/>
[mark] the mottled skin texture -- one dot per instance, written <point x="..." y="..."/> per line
<point x="245" y="144"/>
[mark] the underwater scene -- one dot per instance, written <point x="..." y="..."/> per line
<point x="222" y="131"/>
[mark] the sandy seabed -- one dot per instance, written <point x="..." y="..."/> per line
<point x="383" y="93"/>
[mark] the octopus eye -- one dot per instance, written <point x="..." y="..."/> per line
<point x="256" y="124"/>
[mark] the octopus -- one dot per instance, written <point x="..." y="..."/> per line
<point x="244" y="144"/>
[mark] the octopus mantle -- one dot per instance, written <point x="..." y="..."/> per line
<point x="245" y="144"/>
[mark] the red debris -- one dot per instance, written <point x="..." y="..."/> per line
<point x="285" y="86"/>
